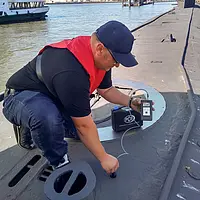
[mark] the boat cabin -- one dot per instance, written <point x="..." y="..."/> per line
<point x="9" y="5"/>
<point x="22" y="4"/>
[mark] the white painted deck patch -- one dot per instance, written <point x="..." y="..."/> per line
<point x="106" y="133"/>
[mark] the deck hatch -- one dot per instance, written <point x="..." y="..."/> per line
<point x="24" y="171"/>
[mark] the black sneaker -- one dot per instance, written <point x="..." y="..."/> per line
<point x="65" y="160"/>
<point x="23" y="137"/>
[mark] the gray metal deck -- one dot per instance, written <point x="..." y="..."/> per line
<point x="143" y="171"/>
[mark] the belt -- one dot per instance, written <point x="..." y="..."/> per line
<point x="9" y="91"/>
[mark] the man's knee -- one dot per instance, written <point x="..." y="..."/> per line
<point x="49" y="121"/>
<point x="46" y="115"/>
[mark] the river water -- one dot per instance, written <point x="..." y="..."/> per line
<point x="21" y="42"/>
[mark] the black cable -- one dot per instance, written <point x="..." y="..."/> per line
<point x="102" y="120"/>
<point x="142" y="90"/>
<point x="123" y="88"/>
<point x="96" y="101"/>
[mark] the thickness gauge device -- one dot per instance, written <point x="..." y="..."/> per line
<point x="146" y="110"/>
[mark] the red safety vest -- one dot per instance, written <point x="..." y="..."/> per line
<point x="80" y="47"/>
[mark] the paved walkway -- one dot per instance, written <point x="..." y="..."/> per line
<point x="186" y="184"/>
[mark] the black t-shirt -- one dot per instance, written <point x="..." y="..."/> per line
<point x="64" y="75"/>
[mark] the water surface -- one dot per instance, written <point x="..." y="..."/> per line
<point x="21" y="42"/>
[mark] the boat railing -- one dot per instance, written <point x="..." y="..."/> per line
<point x="25" y="5"/>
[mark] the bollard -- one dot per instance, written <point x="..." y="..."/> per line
<point x="74" y="181"/>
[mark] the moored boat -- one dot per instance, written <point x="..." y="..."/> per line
<point x="12" y="11"/>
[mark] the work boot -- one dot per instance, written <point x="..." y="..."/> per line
<point x="23" y="137"/>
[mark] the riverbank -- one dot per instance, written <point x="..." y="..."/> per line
<point x="52" y="2"/>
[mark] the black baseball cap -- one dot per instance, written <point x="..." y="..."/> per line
<point x="119" y="40"/>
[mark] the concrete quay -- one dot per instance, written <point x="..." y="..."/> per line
<point x="173" y="67"/>
<point x="163" y="160"/>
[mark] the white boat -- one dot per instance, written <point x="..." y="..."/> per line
<point x="12" y="11"/>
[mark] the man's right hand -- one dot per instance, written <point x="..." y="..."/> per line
<point x="88" y="134"/>
<point x="109" y="163"/>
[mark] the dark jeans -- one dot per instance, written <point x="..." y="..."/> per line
<point x="48" y="126"/>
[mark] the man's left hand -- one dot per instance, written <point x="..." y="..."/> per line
<point x="136" y="104"/>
